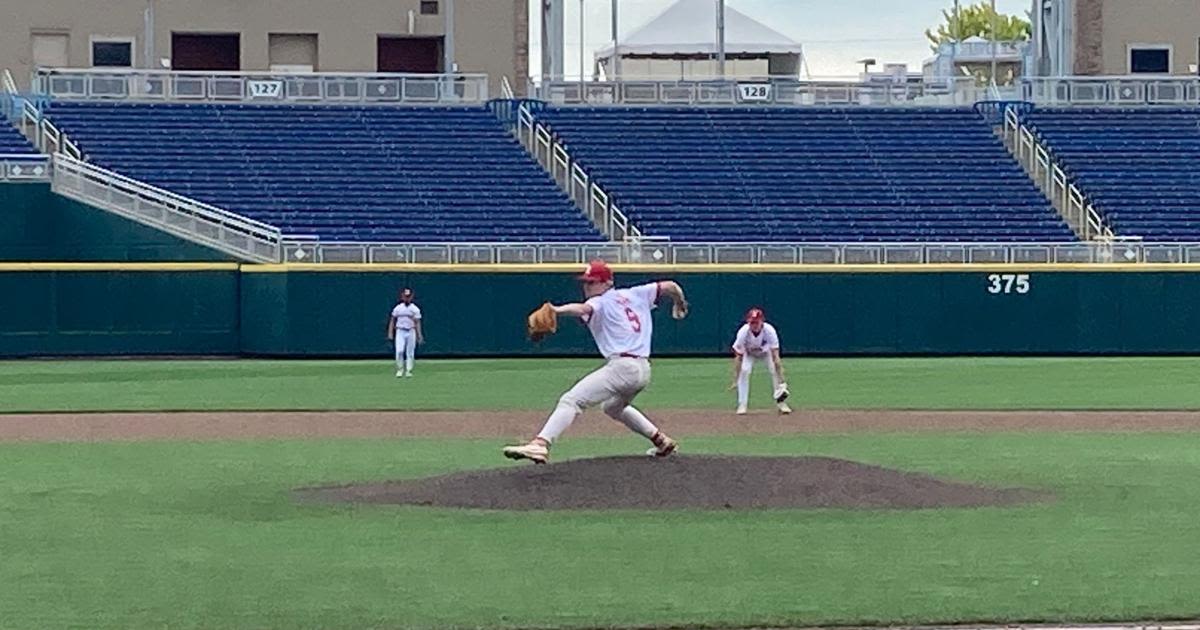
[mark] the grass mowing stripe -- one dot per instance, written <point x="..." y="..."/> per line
<point x="524" y="384"/>
<point x="205" y="535"/>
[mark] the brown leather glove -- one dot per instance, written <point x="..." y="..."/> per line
<point x="542" y="322"/>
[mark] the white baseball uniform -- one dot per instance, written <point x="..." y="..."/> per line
<point x="406" y="317"/>
<point x="751" y="348"/>
<point x="623" y="328"/>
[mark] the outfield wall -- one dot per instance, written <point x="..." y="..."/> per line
<point x="226" y="309"/>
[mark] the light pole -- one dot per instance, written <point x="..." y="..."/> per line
<point x="448" y="41"/>
<point x="955" y="35"/>
<point x="616" y="60"/>
<point x="582" y="55"/>
<point x="721" y="38"/>
<point x="994" y="42"/>
<point x="148" y="37"/>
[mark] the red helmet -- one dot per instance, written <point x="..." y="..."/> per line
<point x="597" y="271"/>
<point x="755" y="315"/>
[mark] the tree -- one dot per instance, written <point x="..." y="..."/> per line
<point x="977" y="20"/>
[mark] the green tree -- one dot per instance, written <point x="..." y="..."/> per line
<point x="977" y="20"/>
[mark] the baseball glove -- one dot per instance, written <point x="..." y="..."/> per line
<point x="781" y="392"/>
<point x="542" y="322"/>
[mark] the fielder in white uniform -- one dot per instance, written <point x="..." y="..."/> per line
<point x="757" y="340"/>
<point x="621" y="323"/>
<point x="404" y="329"/>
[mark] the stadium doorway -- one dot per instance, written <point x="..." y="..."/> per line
<point x="220" y="52"/>
<point x="409" y="54"/>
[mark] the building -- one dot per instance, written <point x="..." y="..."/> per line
<point x="1116" y="37"/>
<point x="470" y="36"/>
<point x="974" y="57"/>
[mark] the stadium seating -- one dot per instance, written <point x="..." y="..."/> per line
<point x="1136" y="166"/>
<point x="12" y="143"/>
<point x="808" y="174"/>
<point x="340" y="173"/>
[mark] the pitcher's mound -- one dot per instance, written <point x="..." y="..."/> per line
<point x="681" y="482"/>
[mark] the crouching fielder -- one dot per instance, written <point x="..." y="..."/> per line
<point x="757" y="341"/>
<point x="621" y="323"/>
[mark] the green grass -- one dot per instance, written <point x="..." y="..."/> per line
<point x="942" y="383"/>
<point x="204" y="535"/>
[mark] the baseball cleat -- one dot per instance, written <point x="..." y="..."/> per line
<point x="399" y="373"/>
<point x="741" y="410"/>
<point x="408" y="375"/>
<point x="664" y="446"/>
<point x="535" y="451"/>
<point x="784" y="408"/>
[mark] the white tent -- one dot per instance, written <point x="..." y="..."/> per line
<point x="688" y="30"/>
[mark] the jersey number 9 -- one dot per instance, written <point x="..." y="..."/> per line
<point x="634" y="321"/>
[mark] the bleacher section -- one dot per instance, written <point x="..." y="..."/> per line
<point x="339" y="173"/>
<point x="808" y="174"/>
<point x="12" y="143"/>
<point x="1138" y="167"/>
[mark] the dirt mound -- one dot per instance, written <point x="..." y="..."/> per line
<point x="682" y="482"/>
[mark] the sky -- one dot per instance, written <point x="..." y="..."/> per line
<point x="835" y="33"/>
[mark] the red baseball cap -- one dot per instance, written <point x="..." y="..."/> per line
<point x="597" y="271"/>
<point x="755" y="315"/>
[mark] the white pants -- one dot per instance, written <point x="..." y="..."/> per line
<point x="614" y="386"/>
<point x="406" y="347"/>
<point x="743" y="382"/>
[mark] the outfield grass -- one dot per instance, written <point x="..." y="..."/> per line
<point x="521" y="384"/>
<point x="204" y="535"/>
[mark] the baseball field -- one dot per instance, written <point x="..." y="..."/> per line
<point x="156" y="494"/>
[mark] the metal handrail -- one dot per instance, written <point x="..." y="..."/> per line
<point x="1065" y="195"/>
<point x="771" y="90"/>
<point x="651" y="252"/>
<point x="789" y="91"/>
<point x="51" y="140"/>
<point x="554" y="156"/>
<point x="260" y="87"/>
<point x="506" y="90"/>
<point x="9" y="98"/>
<point x="1130" y="90"/>
<point x="30" y="123"/>
<point x="184" y="217"/>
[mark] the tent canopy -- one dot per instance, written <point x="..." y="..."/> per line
<point x="689" y="27"/>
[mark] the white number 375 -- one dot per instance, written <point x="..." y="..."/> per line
<point x="1005" y="283"/>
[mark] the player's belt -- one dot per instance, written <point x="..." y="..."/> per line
<point x="626" y="355"/>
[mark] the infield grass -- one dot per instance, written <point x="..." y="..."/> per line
<point x="522" y="384"/>
<point x="205" y="535"/>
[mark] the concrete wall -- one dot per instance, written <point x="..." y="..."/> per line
<point x="491" y="36"/>
<point x="1106" y="29"/>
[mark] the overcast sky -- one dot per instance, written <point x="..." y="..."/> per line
<point x="835" y="33"/>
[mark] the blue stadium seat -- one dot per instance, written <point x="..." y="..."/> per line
<point x="13" y="144"/>
<point x="341" y="173"/>
<point x="1136" y="166"/>
<point x="808" y="174"/>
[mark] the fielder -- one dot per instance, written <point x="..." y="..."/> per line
<point x="621" y="323"/>
<point x="757" y="340"/>
<point x="404" y="329"/>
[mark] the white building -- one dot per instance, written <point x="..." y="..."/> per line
<point x="974" y="56"/>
